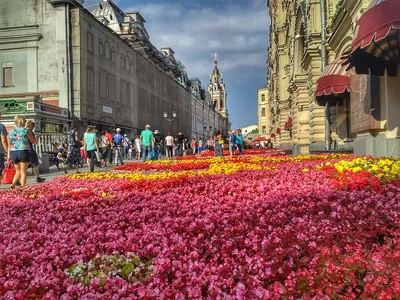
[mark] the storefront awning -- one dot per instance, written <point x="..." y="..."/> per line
<point x="376" y="44"/>
<point x="335" y="80"/>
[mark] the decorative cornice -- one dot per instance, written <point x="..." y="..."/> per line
<point x="19" y="34"/>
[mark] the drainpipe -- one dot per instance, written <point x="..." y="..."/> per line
<point x="69" y="63"/>
<point x="324" y="63"/>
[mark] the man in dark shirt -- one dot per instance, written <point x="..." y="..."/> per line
<point x="3" y="146"/>
<point x="33" y="158"/>
<point x="180" y="139"/>
<point x="158" y="139"/>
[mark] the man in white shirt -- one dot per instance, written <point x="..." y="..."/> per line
<point x="169" y="143"/>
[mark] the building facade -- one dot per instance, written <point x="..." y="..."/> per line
<point x="68" y="64"/>
<point x="313" y="87"/>
<point x="263" y="112"/>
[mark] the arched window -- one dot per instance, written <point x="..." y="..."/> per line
<point x="262" y="97"/>
<point x="122" y="61"/>
<point x="101" y="47"/>
<point x="107" y="50"/>
<point x="127" y="62"/>
<point x="90" y="42"/>
<point x="112" y="55"/>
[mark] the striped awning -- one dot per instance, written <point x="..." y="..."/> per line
<point x="376" y="44"/>
<point x="334" y="80"/>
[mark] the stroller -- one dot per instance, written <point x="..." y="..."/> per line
<point x="61" y="158"/>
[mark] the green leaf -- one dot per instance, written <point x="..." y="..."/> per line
<point x="136" y="261"/>
<point x="148" y="263"/>
<point x="103" y="281"/>
<point x="86" y="280"/>
<point x="127" y="270"/>
<point x="72" y="268"/>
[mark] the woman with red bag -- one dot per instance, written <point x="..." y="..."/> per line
<point x="20" y="138"/>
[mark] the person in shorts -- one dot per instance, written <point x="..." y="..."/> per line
<point x="20" y="142"/>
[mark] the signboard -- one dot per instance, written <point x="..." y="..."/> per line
<point x="107" y="109"/>
<point x="364" y="104"/>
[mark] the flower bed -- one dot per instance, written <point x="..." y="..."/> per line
<point x="253" y="227"/>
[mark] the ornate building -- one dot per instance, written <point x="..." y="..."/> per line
<point x="216" y="91"/>
<point x="263" y="112"/>
<point x="313" y="48"/>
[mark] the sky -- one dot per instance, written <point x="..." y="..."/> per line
<point x="237" y="30"/>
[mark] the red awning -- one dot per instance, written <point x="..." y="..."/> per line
<point x="376" y="44"/>
<point x="334" y="80"/>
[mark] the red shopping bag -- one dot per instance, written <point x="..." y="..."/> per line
<point x="8" y="173"/>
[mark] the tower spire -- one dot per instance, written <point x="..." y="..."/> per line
<point x="215" y="57"/>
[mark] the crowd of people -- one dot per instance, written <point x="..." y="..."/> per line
<point x="102" y="148"/>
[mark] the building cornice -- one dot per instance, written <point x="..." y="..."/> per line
<point x="19" y="34"/>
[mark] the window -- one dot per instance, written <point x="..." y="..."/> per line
<point x="111" y="87"/>
<point x="263" y="112"/>
<point x="101" y="47"/>
<point x="8" y="75"/>
<point x="122" y="61"/>
<point x="103" y="84"/>
<point x="262" y="97"/>
<point x="107" y="50"/>
<point x="112" y="55"/>
<point x="90" y="42"/>
<point x="264" y="129"/>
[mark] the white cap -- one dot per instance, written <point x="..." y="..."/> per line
<point x="118" y="130"/>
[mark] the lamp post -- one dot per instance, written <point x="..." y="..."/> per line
<point x="207" y="131"/>
<point x="174" y="114"/>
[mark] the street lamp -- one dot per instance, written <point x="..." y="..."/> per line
<point x="174" y="114"/>
<point x="207" y="131"/>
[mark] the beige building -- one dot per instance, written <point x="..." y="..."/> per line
<point x="312" y="84"/>
<point x="263" y="112"/>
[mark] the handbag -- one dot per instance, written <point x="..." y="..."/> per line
<point x="8" y="173"/>
<point x="98" y="156"/>
<point x="78" y="144"/>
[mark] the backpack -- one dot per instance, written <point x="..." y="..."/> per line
<point x="117" y="138"/>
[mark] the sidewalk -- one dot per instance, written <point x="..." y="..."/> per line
<point x="54" y="172"/>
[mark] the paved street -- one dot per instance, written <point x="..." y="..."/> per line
<point x="54" y="172"/>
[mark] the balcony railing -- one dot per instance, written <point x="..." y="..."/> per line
<point x="47" y="140"/>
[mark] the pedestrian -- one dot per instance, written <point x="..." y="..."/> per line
<point x="232" y="142"/>
<point x="147" y="140"/>
<point x="118" y="142"/>
<point x="218" y="144"/>
<point x="131" y="150"/>
<point x="169" y="142"/>
<point x="200" y="148"/>
<point x="3" y="147"/>
<point x="194" y="145"/>
<point x="158" y="139"/>
<point x="91" y="145"/>
<point x="138" y="147"/>
<point x="239" y="141"/>
<point x="20" y="138"/>
<point x="74" y="145"/>
<point x="180" y="139"/>
<point x="110" y="153"/>
<point x="105" y="147"/>
<point x="33" y="158"/>
<point x="127" y="145"/>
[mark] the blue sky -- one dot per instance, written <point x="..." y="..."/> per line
<point x="237" y="30"/>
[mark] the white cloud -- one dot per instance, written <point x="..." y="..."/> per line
<point x="238" y="33"/>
